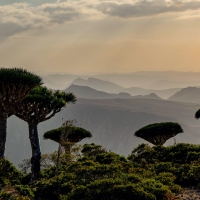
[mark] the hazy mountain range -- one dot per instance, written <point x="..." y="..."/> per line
<point x="90" y="93"/>
<point x="144" y="79"/>
<point x="110" y="87"/>
<point x="189" y="94"/>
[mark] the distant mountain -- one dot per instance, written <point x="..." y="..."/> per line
<point x="112" y="123"/>
<point x="110" y="87"/>
<point x="165" y="84"/>
<point x="190" y="94"/>
<point x="142" y="79"/>
<point x="90" y="93"/>
<point x="98" y="84"/>
<point x="63" y="79"/>
<point x="161" y="93"/>
<point x="149" y="96"/>
<point x="52" y="85"/>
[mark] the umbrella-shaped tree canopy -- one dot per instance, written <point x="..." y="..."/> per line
<point x="159" y="133"/>
<point x="15" y="85"/>
<point x="197" y="114"/>
<point x="76" y="134"/>
<point x="42" y="104"/>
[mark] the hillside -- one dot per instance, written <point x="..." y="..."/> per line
<point x="190" y="94"/>
<point x="90" y="93"/>
<point x="98" y="84"/>
<point x="148" y="96"/>
<point x="52" y="85"/>
<point x="166" y="93"/>
<point x="110" y="87"/>
<point x="112" y="122"/>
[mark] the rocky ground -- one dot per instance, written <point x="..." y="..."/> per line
<point x="188" y="194"/>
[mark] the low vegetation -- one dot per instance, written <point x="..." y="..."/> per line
<point x="149" y="173"/>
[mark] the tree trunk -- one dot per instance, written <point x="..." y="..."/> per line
<point x="3" y="133"/>
<point x="67" y="148"/>
<point x="36" y="154"/>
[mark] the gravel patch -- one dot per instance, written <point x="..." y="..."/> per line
<point x="188" y="194"/>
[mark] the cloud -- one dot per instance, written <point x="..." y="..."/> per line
<point x="61" y="12"/>
<point x="32" y="2"/>
<point x="20" y="17"/>
<point x="10" y="29"/>
<point x="146" y="8"/>
<point x="16" y="18"/>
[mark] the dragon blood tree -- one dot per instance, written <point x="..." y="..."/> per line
<point x="159" y="133"/>
<point x="15" y="85"/>
<point x="197" y="114"/>
<point x="67" y="135"/>
<point x="40" y="105"/>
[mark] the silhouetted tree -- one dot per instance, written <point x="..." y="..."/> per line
<point x="159" y="133"/>
<point x="40" y="105"/>
<point x="197" y="114"/>
<point x="15" y="85"/>
<point x="67" y="135"/>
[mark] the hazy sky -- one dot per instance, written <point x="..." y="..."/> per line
<point x="97" y="36"/>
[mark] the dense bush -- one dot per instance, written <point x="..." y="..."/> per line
<point x="182" y="160"/>
<point x="149" y="173"/>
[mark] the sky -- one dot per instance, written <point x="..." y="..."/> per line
<point x="100" y="36"/>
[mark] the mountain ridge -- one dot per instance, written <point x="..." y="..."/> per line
<point x="90" y="93"/>
<point x="189" y="95"/>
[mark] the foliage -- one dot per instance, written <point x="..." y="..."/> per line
<point x="42" y="104"/>
<point x="197" y="114"/>
<point x="8" y="173"/>
<point x="76" y="134"/>
<point x="151" y="173"/>
<point x="24" y="190"/>
<point x="159" y="133"/>
<point x="102" y="175"/>
<point x="182" y="160"/>
<point x="48" y="160"/>
<point x="12" y="180"/>
<point x="19" y="76"/>
<point x="92" y="149"/>
<point x="15" y="85"/>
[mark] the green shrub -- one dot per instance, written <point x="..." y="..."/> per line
<point x="24" y="190"/>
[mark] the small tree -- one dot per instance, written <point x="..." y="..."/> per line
<point x="15" y="85"/>
<point x="67" y="135"/>
<point x="159" y="133"/>
<point x="40" y="105"/>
